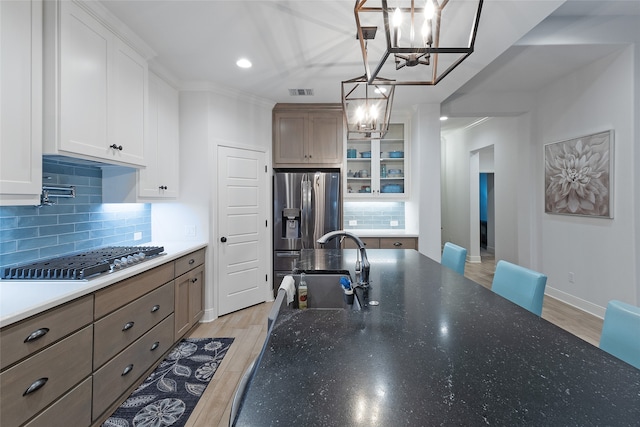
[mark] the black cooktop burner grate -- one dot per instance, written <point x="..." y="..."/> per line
<point x="81" y="265"/>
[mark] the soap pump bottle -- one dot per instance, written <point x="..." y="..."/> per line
<point x="302" y="292"/>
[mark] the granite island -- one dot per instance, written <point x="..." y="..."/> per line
<point x="439" y="349"/>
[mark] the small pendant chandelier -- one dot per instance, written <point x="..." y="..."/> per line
<point x="367" y="107"/>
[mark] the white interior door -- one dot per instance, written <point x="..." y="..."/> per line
<point x="242" y="229"/>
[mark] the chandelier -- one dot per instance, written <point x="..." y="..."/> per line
<point x="427" y="41"/>
<point x="367" y="107"/>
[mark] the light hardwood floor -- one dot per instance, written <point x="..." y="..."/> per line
<point x="249" y="328"/>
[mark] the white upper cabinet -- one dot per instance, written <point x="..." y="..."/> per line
<point x="20" y="102"/>
<point x="160" y="178"/>
<point x="95" y="89"/>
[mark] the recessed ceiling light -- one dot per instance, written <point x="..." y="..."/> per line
<point x="443" y="118"/>
<point x="243" y="63"/>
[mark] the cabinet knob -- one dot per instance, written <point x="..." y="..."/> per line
<point x="39" y="333"/>
<point x="35" y="386"/>
<point x="163" y="187"/>
<point x="397" y="244"/>
<point x="194" y="280"/>
<point x="116" y="147"/>
<point x="223" y="239"/>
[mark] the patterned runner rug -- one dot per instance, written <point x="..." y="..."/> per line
<point x="169" y="395"/>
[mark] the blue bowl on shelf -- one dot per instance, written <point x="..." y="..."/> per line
<point x="365" y="154"/>
<point x="392" y="188"/>
<point x="396" y="154"/>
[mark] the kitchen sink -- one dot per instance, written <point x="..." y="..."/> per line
<point x="323" y="293"/>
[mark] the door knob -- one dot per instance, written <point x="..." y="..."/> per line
<point x="223" y="239"/>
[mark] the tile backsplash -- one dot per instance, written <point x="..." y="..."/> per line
<point x="374" y="215"/>
<point x="29" y="233"/>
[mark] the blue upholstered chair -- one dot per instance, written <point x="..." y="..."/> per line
<point x="621" y="332"/>
<point x="520" y="285"/>
<point x="454" y="256"/>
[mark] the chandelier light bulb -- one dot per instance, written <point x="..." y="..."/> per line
<point x="397" y="18"/>
<point x="429" y="9"/>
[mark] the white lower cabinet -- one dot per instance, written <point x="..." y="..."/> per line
<point x="20" y="102"/>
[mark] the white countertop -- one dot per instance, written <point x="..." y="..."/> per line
<point x="20" y="299"/>
<point x="381" y="233"/>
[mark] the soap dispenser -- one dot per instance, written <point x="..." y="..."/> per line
<point x="302" y="292"/>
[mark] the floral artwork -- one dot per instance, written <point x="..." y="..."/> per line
<point x="578" y="176"/>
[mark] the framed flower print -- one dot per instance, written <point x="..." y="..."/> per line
<point x="578" y="176"/>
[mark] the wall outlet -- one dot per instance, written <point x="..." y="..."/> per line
<point x="353" y="222"/>
<point x="572" y="277"/>
<point x="190" y="230"/>
<point x="393" y="223"/>
<point x="137" y="235"/>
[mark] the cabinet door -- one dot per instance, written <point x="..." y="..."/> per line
<point x="160" y="178"/>
<point x="325" y="138"/>
<point x="196" y="295"/>
<point x="21" y="102"/>
<point x="181" y="306"/>
<point x="127" y="103"/>
<point x="290" y="137"/>
<point x="84" y="87"/>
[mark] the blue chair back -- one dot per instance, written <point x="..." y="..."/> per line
<point x="454" y="257"/>
<point x="621" y="332"/>
<point x="520" y="285"/>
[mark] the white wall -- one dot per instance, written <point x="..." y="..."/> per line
<point x="209" y="117"/>
<point x="601" y="253"/>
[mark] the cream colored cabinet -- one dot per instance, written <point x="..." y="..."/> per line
<point x="378" y="168"/>
<point x="307" y="135"/>
<point x="20" y="102"/>
<point x="189" y="292"/>
<point x="160" y="178"/>
<point x="95" y="89"/>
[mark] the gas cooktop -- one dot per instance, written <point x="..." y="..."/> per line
<point x="82" y="265"/>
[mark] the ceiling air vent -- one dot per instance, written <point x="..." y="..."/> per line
<point x="300" y="92"/>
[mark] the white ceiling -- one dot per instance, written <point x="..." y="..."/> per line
<point x="311" y="44"/>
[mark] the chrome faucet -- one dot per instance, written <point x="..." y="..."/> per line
<point x="366" y="267"/>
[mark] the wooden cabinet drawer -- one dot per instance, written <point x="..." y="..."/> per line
<point x="115" y="296"/>
<point x="398" y="243"/>
<point x="369" y="242"/>
<point x="121" y="372"/>
<point x="74" y="408"/>
<point x="125" y="325"/>
<point x="60" y="367"/>
<point x="43" y="329"/>
<point x="188" y="262"/>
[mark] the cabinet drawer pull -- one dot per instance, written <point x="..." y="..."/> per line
<point x="155" y="345"/>
<point x="194" y="280"/>
<point x="128" y="326"/>
<point x="163" y="187"/>
<point x="128" y="369"/>
<point x="39" y="333"/>
<point x="37" y="385"/>
<point x="191" y="261"/>
<point x="155" y="308"/>
<point x="116" y="147"/>
<point x="397" y="244"/>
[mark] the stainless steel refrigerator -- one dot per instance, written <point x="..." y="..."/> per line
<point x="306" y="205"/>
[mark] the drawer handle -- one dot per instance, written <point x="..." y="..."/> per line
<point x="155" y="345"/>
<point x="191" y="261"/>
<point x="37" y="385"/>
<point x="128" y="326"/>
<point x="36" y="334"/>
<point x="155" y="308"/>
<point x="397" y="244"/>
<point x="194" y="280"/>
<point x="128" y="369"/>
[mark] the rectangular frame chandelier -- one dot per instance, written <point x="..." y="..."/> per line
<point x="426" y="42"/>
<point x="367" y="107"/>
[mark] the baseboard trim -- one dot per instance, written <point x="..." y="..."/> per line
<point x="576" y="302"/>
<point x="476" y="259"/>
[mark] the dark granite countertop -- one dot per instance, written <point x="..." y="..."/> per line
<point x="438" y="350"/>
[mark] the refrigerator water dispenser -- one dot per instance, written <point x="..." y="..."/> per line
<point x="291" y="223"/>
